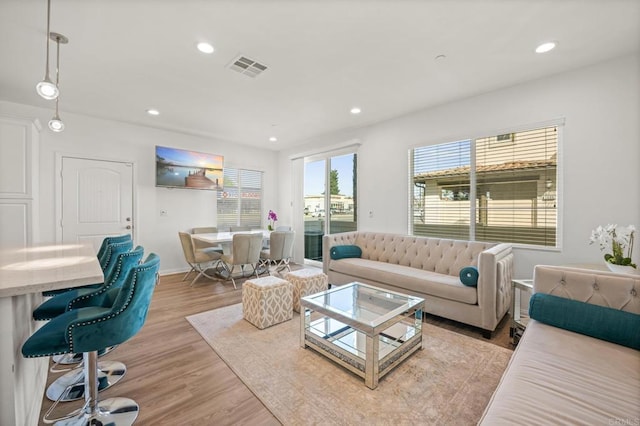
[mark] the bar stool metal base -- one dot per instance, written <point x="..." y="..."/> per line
<point x="68" y="359"/>
<point x="70" y="386"/>
<point x="112" y="411"/>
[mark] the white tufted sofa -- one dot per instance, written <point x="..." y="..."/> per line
<point x="429" y="268"/>
<point x="557" y="376"/>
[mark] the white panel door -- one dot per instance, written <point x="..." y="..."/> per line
<point x="97" y="199"/>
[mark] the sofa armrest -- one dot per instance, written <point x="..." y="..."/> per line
<point x="601" y="288"/>
<point x="330" y="240"/>
<point x="494" y="284"/>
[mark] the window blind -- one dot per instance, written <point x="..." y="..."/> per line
<point x="240" y="201"/>
<point x="498" y="188"/>
<point x="441" y="190"/>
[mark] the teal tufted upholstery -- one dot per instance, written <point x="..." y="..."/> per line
<point x="97" y="327"/>
<point x="107" y="263"/>
<point x="111" y="240"/>
<point x="84" y="297"/>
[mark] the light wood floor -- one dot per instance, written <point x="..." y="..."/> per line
<point x="175" y="376"/>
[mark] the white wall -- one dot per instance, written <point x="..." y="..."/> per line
<point x="106" y="139"/>
<point x="601" y="153"/>
<point x="600" y="165"/>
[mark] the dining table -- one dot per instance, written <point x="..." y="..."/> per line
<point x="25" y="272"/>
<point x="224" y="239"/>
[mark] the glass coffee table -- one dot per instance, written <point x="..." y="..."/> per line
<point x="365" y="329"/>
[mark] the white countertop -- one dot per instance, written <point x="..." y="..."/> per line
<point x="47" y="267"/>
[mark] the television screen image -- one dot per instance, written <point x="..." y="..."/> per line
<point x="179" y="168"/>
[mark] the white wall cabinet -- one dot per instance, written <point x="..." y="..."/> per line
<point x="19" y="140"/>
<point x="21" y="380"/>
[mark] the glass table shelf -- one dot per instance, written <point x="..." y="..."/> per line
<point x="363" y="328"/>
<point x="354" y="341"/>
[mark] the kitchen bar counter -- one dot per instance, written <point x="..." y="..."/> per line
<point x="47" y="267"/>
<point x="24" y="274"/>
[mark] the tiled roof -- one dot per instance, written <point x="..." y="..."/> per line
<point x="503" y="167"/>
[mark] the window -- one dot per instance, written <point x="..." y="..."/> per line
<point x="240" y="201"/>
<point x="494" y="188"/>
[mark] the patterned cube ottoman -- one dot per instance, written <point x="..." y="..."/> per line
<point x="267" y="301"/>
<point x="306" y="282"/>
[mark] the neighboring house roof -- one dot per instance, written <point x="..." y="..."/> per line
<point x="490" y="168"/>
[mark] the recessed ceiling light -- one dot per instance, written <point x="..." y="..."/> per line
<point x="273" y="139"/>
<point x="355" y="110"/>
<point x="545" y="47"/>
<point x="205" y="47"/>
<point x="153" y="112"/>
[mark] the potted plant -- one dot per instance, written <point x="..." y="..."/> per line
<point x="619" y="239"/>
<point x="273" y="218"/>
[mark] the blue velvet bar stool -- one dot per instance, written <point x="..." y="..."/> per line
<point x="70" y="386"/>
<point x="111" y="240"/>
<point x="119" y="316"/>
<point x="107" y="261"/>
<point x="109" y="255"/>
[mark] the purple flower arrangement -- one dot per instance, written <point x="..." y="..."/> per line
<point x="273" y="218"/>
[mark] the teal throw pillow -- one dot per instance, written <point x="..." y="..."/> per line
<point x="596" y="321"/>
<point x="346" y="251"/>
<point x="469" y="276"/>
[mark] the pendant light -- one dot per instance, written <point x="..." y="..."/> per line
<point x="46" y="88"/>
<point x="56" y="124"/>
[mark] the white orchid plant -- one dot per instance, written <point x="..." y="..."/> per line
<point x="617" y="238"/>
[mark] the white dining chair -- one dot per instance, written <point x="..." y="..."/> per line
<point x="200" y="259"/>
<point x="245" y="250"/>
<point x="201" y="244"/>
<point x="279" y="252"/>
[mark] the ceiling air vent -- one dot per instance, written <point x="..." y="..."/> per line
<point x="247" y="66"/>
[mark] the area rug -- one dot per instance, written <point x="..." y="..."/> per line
<point x="450" y="381"/>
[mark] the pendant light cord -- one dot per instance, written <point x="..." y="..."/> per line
<point x="57" y="69"/>
<point x="46" y="75"/>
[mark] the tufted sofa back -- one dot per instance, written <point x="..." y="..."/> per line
<point x="429" y="254"/>
<point x="617" y="291"/>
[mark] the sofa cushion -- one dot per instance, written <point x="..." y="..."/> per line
<point x="469" y="276"/>
<point x="556" y="377"/>
<point x="407" y="279"/>
<point x="596" y="321"/>
<point x="345" y="251"/>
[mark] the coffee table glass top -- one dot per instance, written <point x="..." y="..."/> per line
<point x="364" y="304"/>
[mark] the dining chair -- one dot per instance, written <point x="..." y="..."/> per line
<point x="206" y="230"/>
<point x="245" y="250"/>
<point x="279" y="252"/>
<point x="266" y="243"/>
<point x="200" y="259"/>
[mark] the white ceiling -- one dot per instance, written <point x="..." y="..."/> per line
<point x="324" y="56"/>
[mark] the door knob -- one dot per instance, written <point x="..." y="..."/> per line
<point x="128" y="219"/>
<point x="128" y="226"/>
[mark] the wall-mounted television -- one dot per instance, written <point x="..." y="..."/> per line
<point x="179" y="168"/>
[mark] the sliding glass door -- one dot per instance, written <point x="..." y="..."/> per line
<point x="330" y="194"/>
